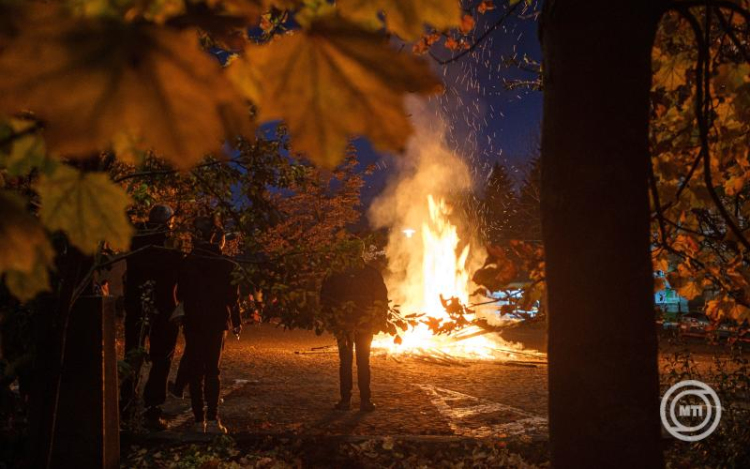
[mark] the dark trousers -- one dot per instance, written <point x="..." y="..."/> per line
<point x="361" y="342"/>
<point x="162" y="338"/>
<point x="203" y="354"/>
<point x="182" y="379"/>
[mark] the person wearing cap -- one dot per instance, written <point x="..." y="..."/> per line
<point x="152" y="270"/>
<point x="210" y="302"/>
<point x="356" y="300"/>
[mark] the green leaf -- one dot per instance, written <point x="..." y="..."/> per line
<point x="26" y="151"/>
<point x="88" y="207"/>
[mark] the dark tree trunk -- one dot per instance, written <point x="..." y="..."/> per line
<point x="603" y="381"/>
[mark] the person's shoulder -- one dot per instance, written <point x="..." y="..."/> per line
<point x="371" y="271"/>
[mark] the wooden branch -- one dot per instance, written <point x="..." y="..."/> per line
<point x="683" y="5"/>
<point x="657" y="205"/>
<point x="479" y="40"/>
<point x="702" y="108"/>
<point x="732" y="36"/>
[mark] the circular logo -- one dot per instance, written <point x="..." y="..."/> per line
<point x="690" y="410"/>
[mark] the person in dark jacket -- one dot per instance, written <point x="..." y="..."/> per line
<point x="151" y="263"/>
<point x="210" y="301"/>
<point x="357" y="300"/>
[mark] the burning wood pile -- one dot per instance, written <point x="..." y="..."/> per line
<point x="447" y="333"/>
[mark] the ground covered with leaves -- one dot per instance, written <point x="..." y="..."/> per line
<point x="392" y="452"/>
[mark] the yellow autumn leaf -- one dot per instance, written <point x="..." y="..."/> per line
<point x="161" y="11"/>
<point x="671" y="69"/>
<point x="90" y="79"/>
<point x="729" y="77"/>
<point x="26" y="285"/>
<point x="26" y="150"/>
<point x="734" y="184"/>
<point x="21" y="236"/>
<point x="690" y="290"/>
<point x="25" y="252"/>
<point x="331" y="82"/>
<point x="406" y="18"/>
<point x="739" y="312"/>
<point x="660" y="265"/>
<point x="88" y="207"/>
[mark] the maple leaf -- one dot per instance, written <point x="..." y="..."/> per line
<point x="21" y="235"/>
<point x="496" y="276"/>
<point x="452" y="44"/>
<point x="671" y="69"/>
<point x="25" y="252"/>
<point x="88" y="207"/>
<point x="26" y="285"/>
<point x="331" y="82"/>
<point x="739" y="312"/>
<point x="734" y="185"/>
<point x="729" y="77"/>
<point x="486" y="6"/>
<point x="467" y="24"/>
<point x="405" y="18"/>
<point x="690" y="290"/>
<point x="26" y="148"/>
<point x="92" y="79"/>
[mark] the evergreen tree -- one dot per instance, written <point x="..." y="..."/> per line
<point x="500" y="206"/>
<point x="528" y="214"/>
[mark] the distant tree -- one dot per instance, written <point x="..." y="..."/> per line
<point x="309" y="240"/>
<point x="500" y="206"/>
<point x="528" y="211"/>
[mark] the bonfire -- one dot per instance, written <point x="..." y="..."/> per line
<point x="445" y="274"/>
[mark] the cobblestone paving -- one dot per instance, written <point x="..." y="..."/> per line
<point x="286" y="382"/>
<point x="273" y="381"/>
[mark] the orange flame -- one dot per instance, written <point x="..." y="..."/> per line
<point x="443" y="273"/>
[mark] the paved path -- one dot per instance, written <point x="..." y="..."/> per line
<point x="268" y="388"/>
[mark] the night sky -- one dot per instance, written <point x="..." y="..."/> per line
<point x="500" y="125"/>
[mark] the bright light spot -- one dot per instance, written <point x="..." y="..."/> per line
<point x="409" y="232"/>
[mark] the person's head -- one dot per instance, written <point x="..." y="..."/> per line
<point x="161" y="216"/>
<point x="207" y="231"/>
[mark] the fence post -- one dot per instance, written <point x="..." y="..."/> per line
<point x="87" y="429"/>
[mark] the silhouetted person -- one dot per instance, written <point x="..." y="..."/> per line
<point x="356" y="299"/>
<point x="210" y="301"/>
<point x="150" y="262"/>
<point x="181" y="380"/>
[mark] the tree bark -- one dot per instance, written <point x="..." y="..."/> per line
<point x="603" y="374"/>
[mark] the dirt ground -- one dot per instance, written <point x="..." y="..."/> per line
<point x="278" y="382"/>
<point x="274" y="382"/>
